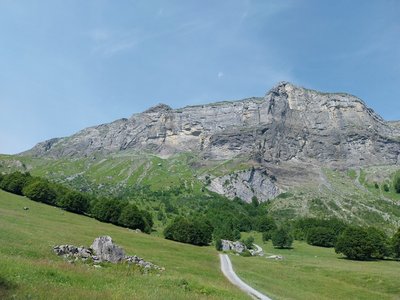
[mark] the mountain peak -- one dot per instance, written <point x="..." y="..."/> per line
<point x="161" y="107"/>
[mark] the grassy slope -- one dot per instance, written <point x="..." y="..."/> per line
<point x="29" y="269"/>
<point x="308" y="272"/>
<point x="347" y="195"/>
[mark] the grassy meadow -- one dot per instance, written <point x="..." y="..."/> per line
<point x="30" y="270"/>
<point x="308" y="272"/>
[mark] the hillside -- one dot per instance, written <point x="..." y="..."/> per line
<point x="31" y="270"/>
<point x="303" y="152"/>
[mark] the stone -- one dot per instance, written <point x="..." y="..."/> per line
<point x="237" y="246"/>
<point x="104" y="248"/>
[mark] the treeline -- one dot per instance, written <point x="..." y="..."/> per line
<point x="118" y="212"/>
<point x="355" y="242"/>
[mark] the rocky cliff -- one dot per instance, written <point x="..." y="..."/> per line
<point x="288" y="124"/>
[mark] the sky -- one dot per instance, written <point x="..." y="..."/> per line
<point x="67" y="65"/>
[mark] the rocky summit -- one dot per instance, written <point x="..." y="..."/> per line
<point x="283" y="139"/>
<point x="289" y="123"/>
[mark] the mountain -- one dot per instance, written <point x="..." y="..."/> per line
<point x="302" y="151"/>
<point x="289" y="124"/>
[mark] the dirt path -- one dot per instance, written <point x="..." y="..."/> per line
<point x="227" y="270"/>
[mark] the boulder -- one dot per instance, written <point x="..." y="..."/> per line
<point x="105" y="250"/>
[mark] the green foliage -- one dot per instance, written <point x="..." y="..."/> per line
<point x="362" y="244"/>
<point x="218" y="244"/>
<point x="281" y="238"/>
<point x="396" y="244"/>
<point x="40" y="190"/>
<point x="302" y="226"/>
<point x="134" y="218"/>
<point x="386" y="187"/>
<point x="248" y="242"/>
<point x="75" y="202"/>
<point x="396" y="182"/>
<point x="379" y="242"/>
<point x="107" y="210"/>
<point x="196" y="231"/>
<point x="246" y="253"/>
<point x="15" y="182"/>
<point x="265" y="223"/>
<point x="266" y="236"/>
<point x="376" y="185"/>
<point x="321" y="236"/>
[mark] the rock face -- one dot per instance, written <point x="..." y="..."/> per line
<point x="289" y="123"/>
<point x="246" y="185"/>
<point x="237" y="246"/>
<point x="106" y="250"/>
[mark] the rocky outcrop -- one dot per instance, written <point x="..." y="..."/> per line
<point x="246" y="185"/>
<point x="289" y="123"/>
<point x="237" y="246"/>
<point x="106" y="250"/>
<point x="102" y="250"/>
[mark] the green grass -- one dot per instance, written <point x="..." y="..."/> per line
<point x="30" y="270"/>
<point x="308" y="272"/>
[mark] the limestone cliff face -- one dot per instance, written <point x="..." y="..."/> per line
<point x="288" y="124"/>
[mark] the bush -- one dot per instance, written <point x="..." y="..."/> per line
<point x="380" y="243"/>
<point x="134" y="218"/>
<point x="396" y="244"/>
<point x="75" y="202"/>
<point x="265" y="223"/>
<point x="15" y="182"/>
<point x="321" y="236"/>
<point x="386" y="187"/>
<point x="362" y="244"/>
<point x="195" y="232"/>
<point x="281" y="238"/>
<point x="218" y="244"/>
<point x="41" y="191"/>
<point x="249" y="242"/>
<point x="266" y="236"/>
<point x="107" y="210"/>
<point x="396" y="182"/>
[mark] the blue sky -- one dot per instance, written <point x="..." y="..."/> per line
<point x="66" y="65"/>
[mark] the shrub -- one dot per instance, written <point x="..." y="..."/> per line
<point x="41" y="191"/>
<point x="15" y="182"/>
<point x="196" y="231"/>
<point x="75" y="202"/>
<point x="281" y="238"/>
<point x="266" y="236"/>
<point x="134" y="218"/>
<point x="362" y="244"/>
<point x="218" y="244"/>
<point x="265" y="223"/>
<point x="396" y="182"/>
<point x="321" y="236"/>
<point x="249" y="242"/>
<point x="107" y="210"/>
<point x="386" y="187"/>
<point x="396" y="244"/>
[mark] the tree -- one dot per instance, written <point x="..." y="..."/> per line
<point x="218" y="244"/>
<point x="355" y="243"/>
<point x="379" y="242"/>
<point x="108" y="210"/>
<point x="75" y="202"/>
<point x="266" y="236"/>
<point x="249" y="242"/>
<point x="281" y="238"/>
<point x="196" y="231"/>
<point x="265" y="224"/>
<point x="15" y="182"/>
<point x="396" y="244"/>
<point x="133" y="218"/>
<point x="40" y="190"/>
<point x="396" y="182"/>
<point x="321" y="236"/>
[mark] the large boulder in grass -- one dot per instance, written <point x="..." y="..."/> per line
<point x="105" y="250"/>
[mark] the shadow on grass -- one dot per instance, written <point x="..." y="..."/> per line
<point x="6" y="287"/>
